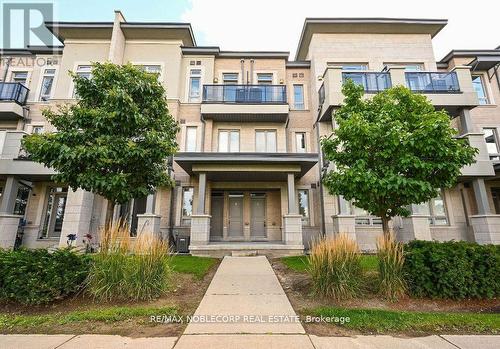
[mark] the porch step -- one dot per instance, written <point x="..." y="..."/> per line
<point x="244" y="253"/>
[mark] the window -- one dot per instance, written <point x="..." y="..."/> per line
<point x="495" y="195"/>
<point x="265" y="78"/>
<point x="187" y="205"/>
<point x="437" y="211"/>
<point x="84" y="71"/>
<point x="265" y="141"/>
<point x="408" y="66"/>
<point x="230" y="78"/>
<point x="20" y="77"/>
<point x="47" y="82"/>
<point x="365" y="218"/>
<point x="298" y="97"/>
<point x="37" y="130"/>
<point x="300" y="142"/>
<point x="194" y="85"/>
<point x="229" y="141"/>
<point x="490" y="137"/>
<point x="54" y="212"/>
<point x="191" y="138"/>
<point x="21" y="202"/>
<point x="151" y="68"/>
<point x="303" y="201"/>
<point x="350" y="66"/>
<point x="478" y="85"/>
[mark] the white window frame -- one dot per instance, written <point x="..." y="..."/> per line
<point x="266" y="131"/>
<point x="421" y="66"/>
<point x="186" y="141"/>
<point x="487" y="93"/>
<point x="72" y="90"/>
<point x="232" y="83"/>
<point x="366" y="66"/>
<point x="306" y="219"/>
<point x="161" y="76"/>
<point x="296" y="142"/>
<point x="189" y="99"/>
<point x="493" y="156"/>
<point x="222" y="72"/>
<point x="433" y="217"/>
<point x="186" y="219"/>
<point x="42" y="76"/>
<point x="228" y="131"/>
<point x="303" y="97"/>
<point x="256" y="76"/>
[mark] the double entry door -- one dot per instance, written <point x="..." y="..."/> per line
<point x="236" y="217"/>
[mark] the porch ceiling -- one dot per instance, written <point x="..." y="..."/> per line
<point x="247" y="166"/>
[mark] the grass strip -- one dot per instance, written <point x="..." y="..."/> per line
<point x="107" y="315"/>
<point x="387" y="321"/>
<point x="197" y="266"/>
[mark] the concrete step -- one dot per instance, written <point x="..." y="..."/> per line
<point x="243" y="253"/>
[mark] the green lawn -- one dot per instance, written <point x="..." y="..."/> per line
<point x="107" y="315"/>
<point x="369" y="263"/>
<point x="198" y="266"/>
<point x="384" y="321"/>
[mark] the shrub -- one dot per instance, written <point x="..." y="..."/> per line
<point x="453" y="270"/>
<point x="38" y="276"/>
<point x="391" y="281"/>
<point x="335" y="267"/>
<point x="129" y="271"/>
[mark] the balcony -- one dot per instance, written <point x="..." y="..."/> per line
<point x="245" y="103"/>
<point x="13" y="96"/>
<point x="451" y="91"/>
<point x="14" y="162"/>
<point x="371" y="82"/>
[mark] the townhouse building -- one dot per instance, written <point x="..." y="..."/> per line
<point x="249" y="165"/>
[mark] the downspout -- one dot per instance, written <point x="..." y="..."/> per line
<point x="251" y="71"/>
<point x="321" y="193"/>
<point x="242" y="61"/>
<point x="171" y="238"/>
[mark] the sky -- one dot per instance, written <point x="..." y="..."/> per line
<point x="277" y="24"/>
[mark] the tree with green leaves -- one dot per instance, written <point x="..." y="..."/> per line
<point x="115" y="140"/>
<point x="391" y="151"/>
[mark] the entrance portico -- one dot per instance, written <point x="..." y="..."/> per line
<point x="246" y="201"/>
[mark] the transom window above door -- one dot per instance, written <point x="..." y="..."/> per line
<point x="265" y="141"/>
<point x="230" y="78"/>
<point x="229" y="141"/>
<point x="349" y="66"/>
<point x="265" y="78"/>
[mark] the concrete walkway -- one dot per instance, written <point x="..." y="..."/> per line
<point x="245" y="307"/>
<point x="245" y="296"/>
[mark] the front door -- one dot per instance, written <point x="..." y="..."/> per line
<point x="235" y="216"/>
<point x="217" y="208"/>
<point x="258" y="216"/>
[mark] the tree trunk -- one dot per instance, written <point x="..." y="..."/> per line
<point x="110" y="209"/>
<point x="385" y="225"/>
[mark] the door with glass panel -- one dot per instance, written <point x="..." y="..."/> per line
<point x="235" y="230"/>
<point x="55" y="207"/>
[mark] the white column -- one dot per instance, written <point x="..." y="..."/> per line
<point x="292" y="207"/>
<point x="77" y="216"/>
<point x="149" y="221"/>
<point x="202" y="186"/>
<point x="8" y="221"/>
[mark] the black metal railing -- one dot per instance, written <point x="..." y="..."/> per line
<point x="427" y="82"/>
<point x="13" y="92"/>
<point x="245" y="94"/>
<point x="321" y="94"/>
<point x="372" y="82"/>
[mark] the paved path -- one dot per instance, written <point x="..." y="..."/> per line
<point x="245" y="296"/>
<point x="248" y="288"/>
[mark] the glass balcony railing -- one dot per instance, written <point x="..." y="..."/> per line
<point x="245" y="94"/>
<point x="372" y="82"/>
<point x="426" y="82"/>
<point x="13" y="92"/>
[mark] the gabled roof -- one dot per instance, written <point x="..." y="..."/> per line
<point x="365" y="25"/>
